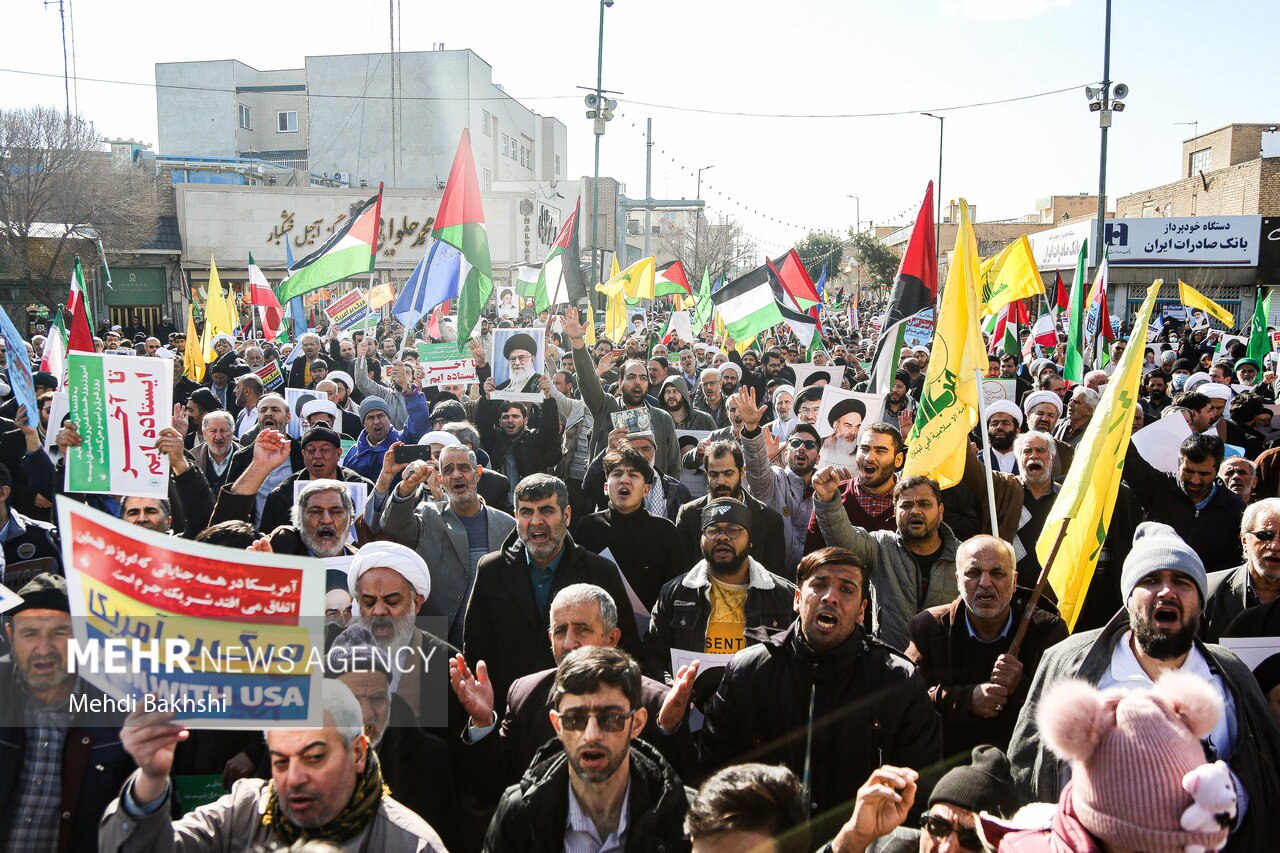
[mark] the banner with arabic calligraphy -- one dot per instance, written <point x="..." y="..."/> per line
<point x="248" y="626"/>
<point x="119" y="403"/>
<point x="446" y="364"/>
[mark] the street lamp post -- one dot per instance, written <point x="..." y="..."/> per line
<point x="942" y="122"/>
<point x="1104" y="101"/>
<point x="598" y="107"/>
<point x="697" y="224"/>
<point x="857" y="216"/>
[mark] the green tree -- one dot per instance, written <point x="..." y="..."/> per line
<point x="878" y="262"/>
<point x="821" y="249"/>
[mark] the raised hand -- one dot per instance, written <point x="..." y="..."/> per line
<point x="826" y="483"/>
<point x="882" y="805"/>
<point x="150" y="739"/>
<point x="170" y="444"/>
<point x="271" y="449"/>
<point x="69" y="436"/>
<point x="417" y="473"/>
<point x="750" y="413"/>
<point x="181" y="420"/>
<point x="676" y="704"/>
<point x="573" y="327"/>
<point x="474" y="690"/>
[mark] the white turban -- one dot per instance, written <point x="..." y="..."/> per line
<point x="390" y="555"/>
<point x="729" y="365"/>
<point x="1035" y="398"/>
<point x="1007" y="408"/>
<point x="440" y="437"/>
<point x="341" y="376"/>
<point x="1195" y="380"/>
<point x="320" y="407"/>
<point x="783" y="389"/>
<point x="223" y="337"/>
<point x="1215" y="391"/>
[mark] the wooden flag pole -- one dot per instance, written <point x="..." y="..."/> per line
<point x="1041" y="583"/>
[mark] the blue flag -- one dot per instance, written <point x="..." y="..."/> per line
<point x="437" y="278"/>
<point x="821" y="283"/>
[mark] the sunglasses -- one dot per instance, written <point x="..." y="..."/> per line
<point x="806" y="443"/>
<point x="609" y="721"/>
<point x="941" y="828"/>
<point x="1263" y="535"/>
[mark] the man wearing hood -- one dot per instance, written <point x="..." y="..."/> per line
<point x="674" y="399"/>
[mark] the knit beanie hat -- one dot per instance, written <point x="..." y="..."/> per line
<point x="449" y="411"/>
<point x="1129" y="754"/>
<point x="45" y="591"/>
<point x="1156" y="547"/>
<point x="985" y="785"/>
<point x="373" y="404"/>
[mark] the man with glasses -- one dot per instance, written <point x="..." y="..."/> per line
<point x="599" y="787"/>
<point x="783" y="488"/>
<point x="437" y="511"/>
<point x="709" y="397"/>
<point x="886" y="800"/>
<point x="1256" y="582"/>
<point x="712" y="606"/>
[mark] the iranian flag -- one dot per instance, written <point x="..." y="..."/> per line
<point x="677" y="327"/>
<point x="264" y="299"/>
<point x="81" y="338"/>
<point x="747" y="305"/>
<point x="54" y="358"/>
<point x="1010" y="322"/>
<point x="460" y="223"/>
<point x="560" y="280"/>
<point x="350" y="251"/>
<point x="670" y="280"/>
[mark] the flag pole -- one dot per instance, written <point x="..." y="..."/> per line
<point x="986" y="451"/>
<point x="1041" y="583"/>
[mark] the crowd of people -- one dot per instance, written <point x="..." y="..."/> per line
<point x="647" y="614"/>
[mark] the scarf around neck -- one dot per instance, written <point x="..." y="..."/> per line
<point x="351" y="821"/>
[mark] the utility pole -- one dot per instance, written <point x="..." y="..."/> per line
<point x="697" y="229"/>
<point x="1104" y="122"/>
<point x="648" y="185"/>
<point x="66" y="71"/>
<point x="937" y="241"/>
<point x="601" y="111"/>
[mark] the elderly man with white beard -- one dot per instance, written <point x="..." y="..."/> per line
<point x="520" y="350"/>
<point x="389" y="583"/>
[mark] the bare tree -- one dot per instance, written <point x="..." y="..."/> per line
<point x="59" y="192"/>
<point x="723" y="247"/>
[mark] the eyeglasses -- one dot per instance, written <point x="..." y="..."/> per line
<point x="609" y="721"/>
<point x="941" y="828"/>
<point x="728" y="531"/>
<point x="1263" y="535"/>
<point x="806" y="443"/>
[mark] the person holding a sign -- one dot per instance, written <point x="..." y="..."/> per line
<point x="1232" y="591"/>
<point x="823" y="697"/>
<point x="326" y="785"/>
<point x="300" y="372"/>
<point x="517" y="445"/>
<point x="321" y="458"/>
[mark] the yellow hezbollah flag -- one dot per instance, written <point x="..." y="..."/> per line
<point x="636" y="280"/>
<point x="219" y="318"/>
<point x="192" y="360"/>
<point x="1088" y="495"/>
<point x="1193" y="298"/>
<point x="1009" y="276"/>
<point x="615" y="311"/>
<point x="949" y="408"/>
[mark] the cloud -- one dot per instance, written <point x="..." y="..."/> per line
<point x="1001" y="10"/>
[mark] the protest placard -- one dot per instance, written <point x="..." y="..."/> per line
<point x="999" y="389"/>
<point x="348" y="310"/>
<point x="359" y="497"/>
<point x="119" y="404"/>
<point x="18" y="367"/>
<point x="808" y="375"/>
<point x="60" y="407"/>
<point x="271" y="376"/>
<point x="517" y="357"/>
<point x="446" y="364"/>
<point x="234" y="636"/>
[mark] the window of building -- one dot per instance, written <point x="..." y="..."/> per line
<point x="246" y="117"/>
<point x="287" y="121"/>
<point x="506" y="144"/>
<point x="524" y="156"/>
<point x="488" y="181"/>
<point x="557" y="164"/>
<point x="526" y="152"/>
<point x="487" y="119"/>
<point x="1200" y="160"/>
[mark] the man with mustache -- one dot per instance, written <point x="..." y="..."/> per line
<point x="326" y="785"/>
<point x="822" y="697"/>
<point x="321" y="455"/>
<point x="273" y="415"/>
<point x="1004" y="420"/>
<point x="725" y="466"/>
<point x="1163" y="587"/>
<point x="962" y="648"/>
<point x="598" y="787"/>
<point x="520" y="351"/>
<point x="1232" y="591"/>
<point x="867" y="496"/>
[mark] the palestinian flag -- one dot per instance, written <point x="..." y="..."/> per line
<point x="1044" y="334"/>
<point x="747" y="305"/>
<point x="350" y="251"/>
<point x="460" y="223"/>
<point x="1059" y="301"/>
<point x="1010" y="322"/>
<point x="527" y="278"/>
<point x="560" y="280"/>
<point x="915" y="289"/>
<point x="803" y="324"/>
<point x="796" y="281"/>
<point x="670" y="280"/>
<point x="264" y="299"/>
<point x="81" y="337"/>
<point x="1097" y="322"/>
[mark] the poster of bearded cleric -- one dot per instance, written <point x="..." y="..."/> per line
<point x="517" y="358"/>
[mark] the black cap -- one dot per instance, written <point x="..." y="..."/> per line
<point x="809" y="395"/>
<point x="726" y="511"/>
<point x="44" y="379"/>
<point x="817" y="376"/>
<point x="322" y="433"/>
<point x="985" y="785"/>
<point x="44" y="592"/>
<point x="521" y="342"/>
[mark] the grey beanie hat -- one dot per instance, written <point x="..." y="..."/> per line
<point x="1157" y="547"/>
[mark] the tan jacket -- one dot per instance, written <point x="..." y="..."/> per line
<point x="235" y="823"/>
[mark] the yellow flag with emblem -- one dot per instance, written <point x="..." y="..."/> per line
<point x="615" y="312"/>
<point x="219" y="315"/>
<point x="949" y="405"/>
<point x="192" y="358"/>
<point x="1088" y="495"/>
<point x="1194" y="299"/>
<point x="1009" y="276"/>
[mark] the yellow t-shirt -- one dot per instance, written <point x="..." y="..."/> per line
<point x="728" y="618"/>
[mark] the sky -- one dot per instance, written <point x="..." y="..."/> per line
<point x="1207" y="63"/>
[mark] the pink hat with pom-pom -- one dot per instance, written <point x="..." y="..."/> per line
<point x="1128" y="754"/>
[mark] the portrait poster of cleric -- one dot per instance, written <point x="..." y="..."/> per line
<point x="517" y="359"/>
<point x="841" y="418"/>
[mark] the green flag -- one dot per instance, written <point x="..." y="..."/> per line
<point x="702" y="307"/>
<point x="1073" y="370"/>
<point x="1259" y="340"/>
